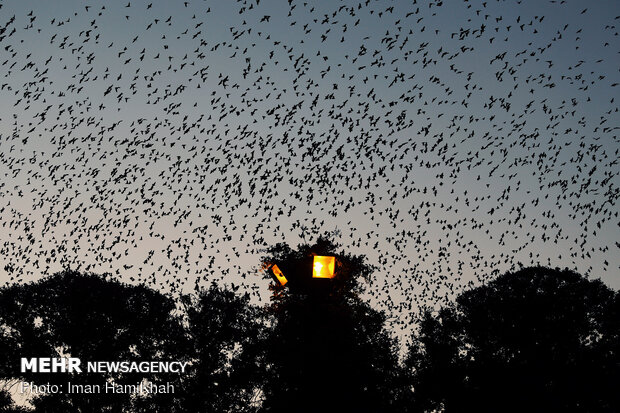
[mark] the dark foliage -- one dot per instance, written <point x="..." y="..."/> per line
<point x="91" y="318"/>
<point x="224" y="330"/>
<point x="328" y="350"/>
<point x="535" y="340"/>
<point x="94" y="319"/>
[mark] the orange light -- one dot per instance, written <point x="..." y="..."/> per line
<point x="278" y="274"/>
<point x="323" y="266"/>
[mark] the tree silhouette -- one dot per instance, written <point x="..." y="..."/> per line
<point x="328" y="350"/>
<point x="534" y="340"/>
<point x="94" y="319"/>
<point x="223" y="329"/>
<point x="537" y="339"/>
<point x="6" y="402"/>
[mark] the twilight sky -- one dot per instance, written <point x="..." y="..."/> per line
<point x="168" y="142"/>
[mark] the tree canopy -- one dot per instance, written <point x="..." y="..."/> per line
<point x="328" y="350"/>
<point x="97" y="319"/>
<point x="224" y="330"/>
<point x="92" y="318"/>
<point x="538" y="339"/>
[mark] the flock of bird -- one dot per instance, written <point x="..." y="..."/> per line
<point x="171" y="142"/>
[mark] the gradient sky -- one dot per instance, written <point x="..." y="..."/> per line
<point x="169" y="142"/>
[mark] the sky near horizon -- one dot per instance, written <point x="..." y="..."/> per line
<point x="169" y="142"/>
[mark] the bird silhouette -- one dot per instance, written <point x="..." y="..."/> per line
<point x="457" y="141"/>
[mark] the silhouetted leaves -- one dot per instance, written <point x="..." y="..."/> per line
<point x="91" y="318"/>
<point x="534" y="340"/>
<point x="328" y="350"/>
<point x="223" y="329"/>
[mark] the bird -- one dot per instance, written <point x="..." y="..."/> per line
<point x="457" y="141"/>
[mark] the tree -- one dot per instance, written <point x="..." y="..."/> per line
<point x="223" y="329"/>
<point x="92" y="318"/>
<point x="97" y="319"/>
<point x="537" y="339"/>
<point x="328" y="350"/>
<point x="6" y="402"/>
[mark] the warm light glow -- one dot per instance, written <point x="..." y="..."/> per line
<point x="278" y="274"/>
<point x="323" y="266"/>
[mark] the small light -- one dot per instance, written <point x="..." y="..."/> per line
<point x="278" y="274"/>
<point x="323" y="266"/>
